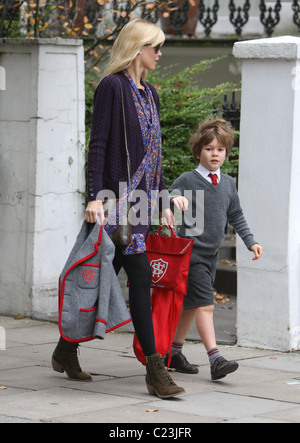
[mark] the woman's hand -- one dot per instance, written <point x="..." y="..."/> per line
<point x="93" y="210"/>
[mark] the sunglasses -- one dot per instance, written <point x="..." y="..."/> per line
<point x="156" y="48"/>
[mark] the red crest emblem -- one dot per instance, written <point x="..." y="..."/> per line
<point x="159" y="268"/>
<point x="88" y="276"/>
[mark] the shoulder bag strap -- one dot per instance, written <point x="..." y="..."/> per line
<point x="126" y="143"/>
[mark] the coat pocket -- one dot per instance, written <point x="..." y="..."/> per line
<point x="88" y="276"/>
<point x="88" y="282"/>
<point x="87" y="318"/>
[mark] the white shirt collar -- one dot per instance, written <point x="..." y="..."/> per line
<point x="205" y="173"/>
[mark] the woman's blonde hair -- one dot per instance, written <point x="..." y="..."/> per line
<point x="132" y="38"/>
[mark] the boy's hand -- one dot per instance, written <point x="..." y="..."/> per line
<point x="258" y="250"/>
<point x="167" y="218"/>
<point x="181" y="203"/>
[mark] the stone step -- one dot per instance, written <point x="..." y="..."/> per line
<point x="228" y="249"/>
<point x="226" y="277"/>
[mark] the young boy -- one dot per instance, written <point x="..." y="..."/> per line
<point x="210" y="147"/>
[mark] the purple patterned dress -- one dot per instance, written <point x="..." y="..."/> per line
<point x="150" y="166"/>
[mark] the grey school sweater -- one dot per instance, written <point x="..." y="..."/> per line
<point x="221" y="205"/>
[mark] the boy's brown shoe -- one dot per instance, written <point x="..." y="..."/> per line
<point x="180" y="363"/>
<point x="222" y="367"/>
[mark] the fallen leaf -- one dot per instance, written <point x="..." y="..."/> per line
<point x="220" y="298"/>
<point x="2" y="388"/>
<point x="152" y="410"/>
<point x="228" y="262"/>
<point x="18" y="317"/>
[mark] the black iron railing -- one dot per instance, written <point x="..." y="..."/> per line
<point x="270" y="17"/>
<point x="232" y="111"/>
<point x="238" y="15"/>
<point x="205" y="13"/>
<point x="208" y="17"/>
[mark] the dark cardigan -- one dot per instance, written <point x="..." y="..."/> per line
<point x="107" y="164"/>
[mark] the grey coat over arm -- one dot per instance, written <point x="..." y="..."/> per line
<point x="91" y="301"/>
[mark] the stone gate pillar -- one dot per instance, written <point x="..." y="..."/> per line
<point x="269" y="187"/>
<point x="41" y="169"/>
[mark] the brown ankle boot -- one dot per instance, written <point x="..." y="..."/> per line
<point x="158" y="380"/>
<point x="65" y="359"/>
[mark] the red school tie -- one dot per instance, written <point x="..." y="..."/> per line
<point x="214" y="178"/>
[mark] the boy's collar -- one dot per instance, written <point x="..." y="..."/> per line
<point x="205" y="172"/>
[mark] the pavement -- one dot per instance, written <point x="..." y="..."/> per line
<point x="265" y="389"/>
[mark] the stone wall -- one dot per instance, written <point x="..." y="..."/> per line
<point x="269" y="184"/>
<point x="42" y="138"/>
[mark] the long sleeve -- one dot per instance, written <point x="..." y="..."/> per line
<point x="105" y="100"/>
<point x="162" y="185"/>
<point x="237" y="220"/>
<point x="178" y="187"/>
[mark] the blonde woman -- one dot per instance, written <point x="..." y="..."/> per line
<point x="136" y="51"/>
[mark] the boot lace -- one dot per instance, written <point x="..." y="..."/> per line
<point x="167" y="379"/>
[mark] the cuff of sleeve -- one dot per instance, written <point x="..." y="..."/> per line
<point x="100" y="329"/>
<point x="250" y="242"/>
<point x="94" y="185"/>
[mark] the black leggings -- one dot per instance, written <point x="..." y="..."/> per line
<point x="139" y="274"/>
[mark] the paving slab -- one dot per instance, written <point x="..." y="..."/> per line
<point x="286" y="362"/>
<point x="56" y="402"/>
<point x="140" y="413"/>
<point x="265" y="389"/>
<point x="290" y="415"/>
<point x="7" y="420"/>
<point x="222" y="406"/>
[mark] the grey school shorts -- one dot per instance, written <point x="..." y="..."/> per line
<point x="202" y="274"/>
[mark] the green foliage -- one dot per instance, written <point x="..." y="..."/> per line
<point x="184" y="105"/>
<point x="231" y="164"/>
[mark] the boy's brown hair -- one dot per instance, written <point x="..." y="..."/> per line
<point x="208" y="130"/>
